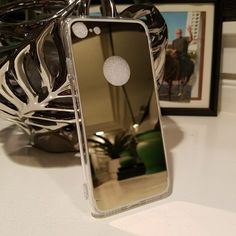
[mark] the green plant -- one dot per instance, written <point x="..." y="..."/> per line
<point x="113" y="148"/>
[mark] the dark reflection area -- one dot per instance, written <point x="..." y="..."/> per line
<point x="16" y="146"/>
<point x="18" y="20"/>
<point x="125" y="145"/>
<point x="35" y="90"/>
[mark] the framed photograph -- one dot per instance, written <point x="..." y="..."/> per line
<point x="192" y="68"/>
<point x="190" y="85"/>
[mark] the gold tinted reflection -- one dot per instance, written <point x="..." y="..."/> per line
<point x="127" y="157"/>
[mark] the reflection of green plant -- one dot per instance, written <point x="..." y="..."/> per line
<point x="112" y="149"/>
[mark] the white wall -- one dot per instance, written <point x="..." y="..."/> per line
<point x="228" y="67"/>
<point x="227" y="96"/>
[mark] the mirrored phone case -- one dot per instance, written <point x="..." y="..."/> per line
<point x="118" y="117"/>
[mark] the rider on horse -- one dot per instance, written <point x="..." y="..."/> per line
<point x="180" y="51"/>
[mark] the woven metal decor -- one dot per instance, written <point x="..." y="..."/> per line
<point x="34" y="90"/>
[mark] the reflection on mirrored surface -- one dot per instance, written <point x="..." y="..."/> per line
<point x="119" y="108"/>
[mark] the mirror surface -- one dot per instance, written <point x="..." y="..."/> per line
<point x="119" y="108"/>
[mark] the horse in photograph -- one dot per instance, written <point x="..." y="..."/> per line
<point x="179" y="70"/>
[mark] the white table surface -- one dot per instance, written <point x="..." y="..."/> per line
<point x="41" y="193"/>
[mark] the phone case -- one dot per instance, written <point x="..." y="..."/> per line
<point x="72" y="28"/>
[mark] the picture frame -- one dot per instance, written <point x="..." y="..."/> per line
<point x="195" y="89"/>
<point x="199" y="97"/>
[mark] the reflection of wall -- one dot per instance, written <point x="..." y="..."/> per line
<point x="134" y="49"/>
<point x="152" y="118"/>
<point x="94" y="90"/>
<point x="105" y="107"/>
